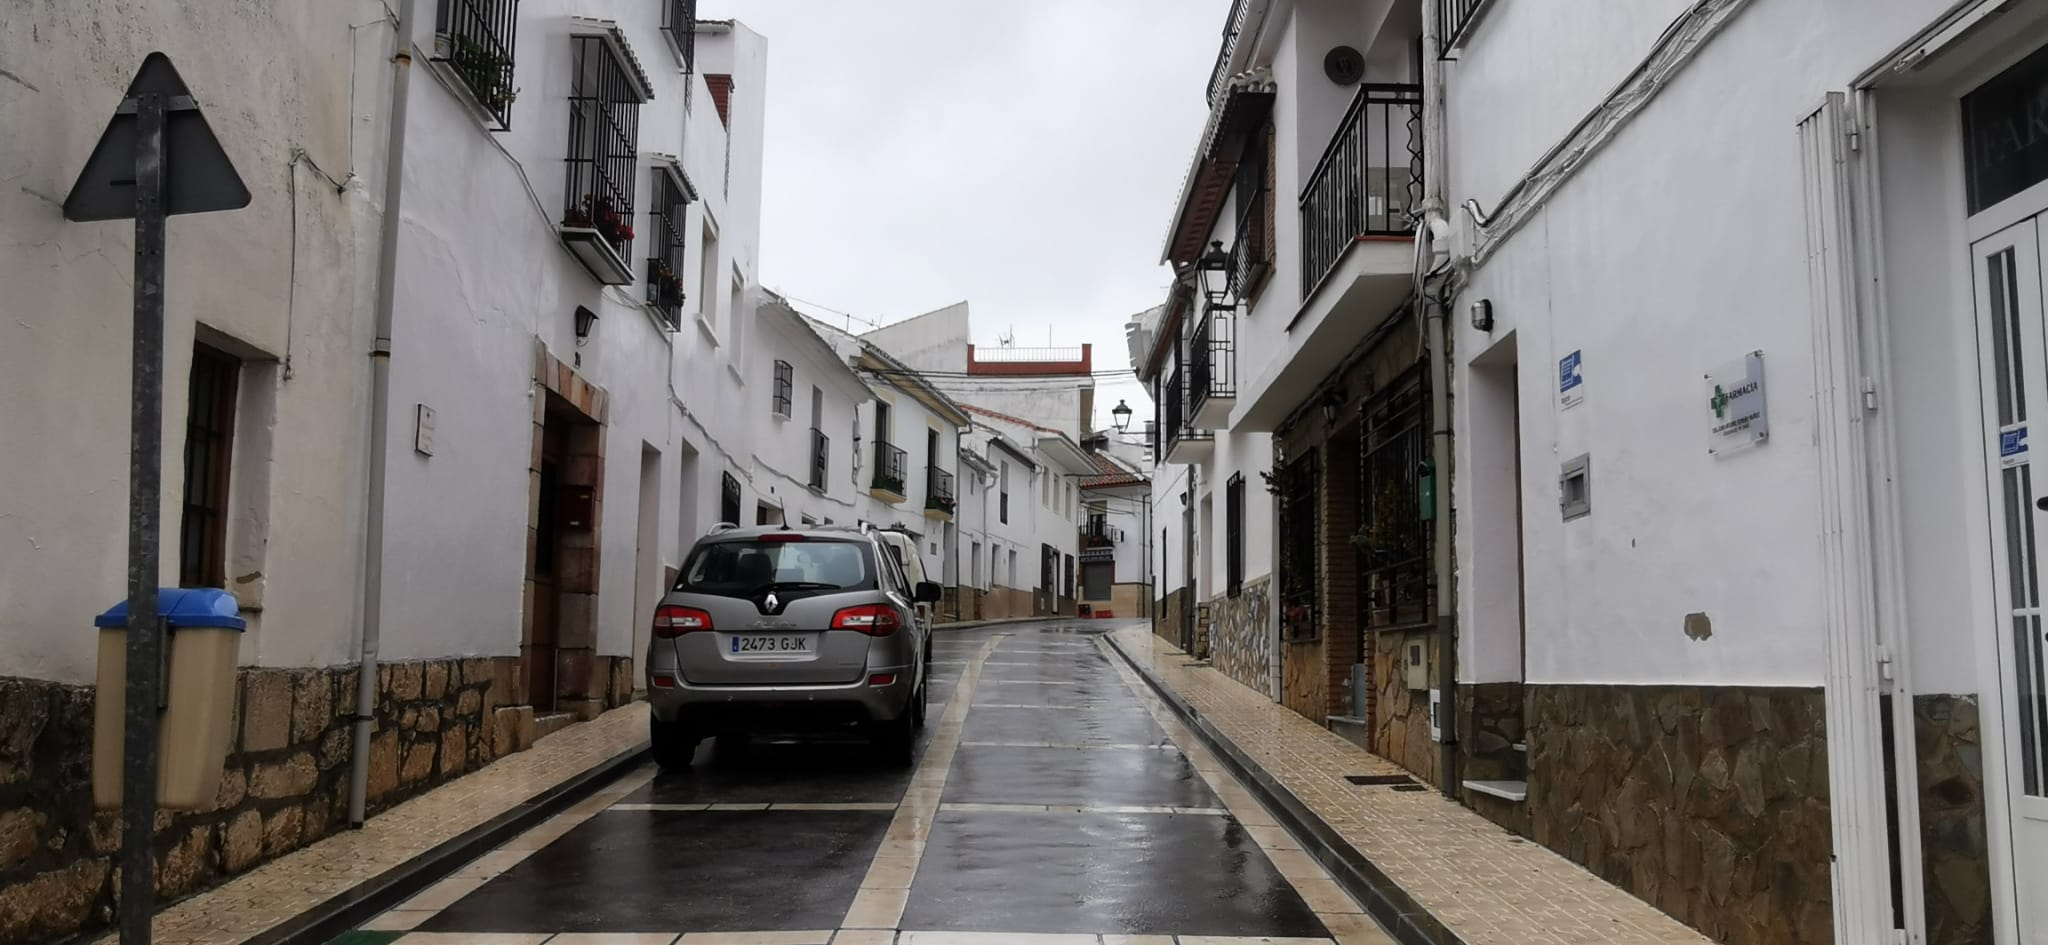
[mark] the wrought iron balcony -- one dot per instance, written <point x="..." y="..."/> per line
<point x="1184" y="443"/>
<point x="1212" y="369"/>
<point x="1100" y="534"/>
<point x="938" y="491"/>
<point x="665" y="247"/>
<point x="1456" y="19"/>
<point x="603" y="163"/>
<point x="890" y="462"/>
<point x="474" y="40"/>
<point x="821" y="458"/>
<point x="1368" y="181"/>
<point x="679" y="24"/>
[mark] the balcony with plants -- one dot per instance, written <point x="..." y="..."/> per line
<point x="603" y="162"/>
<point x="888" y="483"/>
<point x="939" y="501"/>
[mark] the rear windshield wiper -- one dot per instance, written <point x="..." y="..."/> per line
<point x="794" y="586"/>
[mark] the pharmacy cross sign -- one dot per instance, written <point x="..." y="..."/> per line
<point x="1735" y="401"/>
<point x="1719" y="402"/>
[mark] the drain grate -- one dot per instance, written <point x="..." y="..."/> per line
<point x="1411" y="787"/>
<point x="1371" y="780"/>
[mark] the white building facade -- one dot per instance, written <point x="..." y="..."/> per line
<point x="542" y="226"/>
<point x="1780" y="463"/>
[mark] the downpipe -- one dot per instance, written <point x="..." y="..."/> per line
<point x="380" y="421"/>
<point x="1435" y="314"/>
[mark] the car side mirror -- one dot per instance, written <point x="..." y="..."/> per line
<point x="928" y="592"/>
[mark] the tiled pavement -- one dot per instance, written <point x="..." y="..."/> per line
<point x="277" y="891"/>
<point x="1479" y="880"/>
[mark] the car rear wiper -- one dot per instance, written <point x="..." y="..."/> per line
<point x="794" y="586"/>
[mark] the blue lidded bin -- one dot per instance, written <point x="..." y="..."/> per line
<point x="195" y="728"/>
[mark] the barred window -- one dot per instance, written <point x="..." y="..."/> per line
<point x="665" y="243"/>
<point x="209" y="447"/>
<point x="785" y="385"/>
<point x="1233" y="533"/>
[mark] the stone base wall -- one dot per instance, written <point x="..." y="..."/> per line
<point x="1489" y="726"/>
<point x="1173" y="609"/>
<point x="1957" y="867"/>
<point x="1001" y="603"/>
<point x="1305" y="678"/>
<point x="1400" y="716"/>
<point x="285" y="783"/>
<point x="1711" y="803"/>
<point x="1240" y="642"/>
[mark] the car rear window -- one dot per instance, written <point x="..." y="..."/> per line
<point x="743" y="567"/>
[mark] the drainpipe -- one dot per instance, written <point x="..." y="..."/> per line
<point x="380" y="406"/>
<point x="1434" y="165"/>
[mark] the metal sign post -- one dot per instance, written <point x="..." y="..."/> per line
<point x="157" y="157"/>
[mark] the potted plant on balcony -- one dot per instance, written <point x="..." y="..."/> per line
<point x="487" y="73"/>
<point x="665" y="286"/>
<point x="940" y="503"/>
<point x="889" y="483"/>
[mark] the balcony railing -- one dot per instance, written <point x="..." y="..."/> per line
<point x="1212" y="359"/>
<point x="1368" y="181"/>
<point x="1455" y="18"/>
<point x="665" y="247"/>
<point x="603" y="161"/>
<point x="1249" y="254"/>
<point x="1179" y="420"/>
<point x="890" y="462"/>
<point x="1098" y="534"/>
<point x="475" y="39"/>
<point x="938" y="490"/>
<point x="821" y="458"/>
<point x="679" y="23"/>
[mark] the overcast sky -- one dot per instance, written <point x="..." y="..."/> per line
<point x="1021" y="156"/>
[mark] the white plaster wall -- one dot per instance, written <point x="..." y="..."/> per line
<point x="934" y="341"/>
<point x="782" y="452"/>
<point x="909" y="421"/>
<point x="1047" y="401"/>
<point x="1245" y="454"/>
<point x="65" y="340"/>
<point x="1644" y="262"/>
<point x="482" y="276"/>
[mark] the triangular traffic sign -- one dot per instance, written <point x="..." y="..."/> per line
<point x="198" y="177"/>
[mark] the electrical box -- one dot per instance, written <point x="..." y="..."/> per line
<point x="1415" y="660"/>
<point x="1575" y="487"/>
<point x="1436" y="724"/>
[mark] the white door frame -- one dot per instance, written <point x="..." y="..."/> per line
<point x="2014" y="809"/>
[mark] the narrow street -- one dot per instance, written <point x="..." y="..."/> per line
<point x="1050" y="797"/>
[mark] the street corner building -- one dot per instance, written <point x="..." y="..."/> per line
<point x="1637" y="450"/>
<point x="507" y="247"/>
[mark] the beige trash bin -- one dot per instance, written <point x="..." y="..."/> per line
<point x="194" y="729"/>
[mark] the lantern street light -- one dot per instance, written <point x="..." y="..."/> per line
<point x="1122" y="415"/>
<point x="1213" y="269"/>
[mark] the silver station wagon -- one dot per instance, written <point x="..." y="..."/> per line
<point x="779" y="629"/>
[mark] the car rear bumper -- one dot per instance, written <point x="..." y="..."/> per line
<point x="779" y="707"/>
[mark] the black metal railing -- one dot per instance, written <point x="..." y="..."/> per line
<point x="1098" y="534"/>
<point x="890" y="462"/>
<point x="1368" y="181"/>
<point x="1454" y="18"/>
<point x="1003" y="509"/>
<point x="604" y="136"/>
<point x="679" y="21"/>
<point x="1393" y="537"/>
<point x="821" y="457"/>
<point x="938" y="490"/>
<point x="1249" y="254"/>
<point x="665" y="249"/>
<point x="476" y="38"/>
<point x="1179" y="417"/>
<point x="1212" y="359"/>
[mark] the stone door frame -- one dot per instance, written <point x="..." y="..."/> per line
<point x="580" y="687"/>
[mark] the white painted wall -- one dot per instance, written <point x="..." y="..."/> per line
<point x="1639" y="262"/>
<point x="935" y="341"/>
<point x="782" y="454"/>
<point x="65" y="342"/>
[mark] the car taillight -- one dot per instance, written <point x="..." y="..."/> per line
<point x="675" y="621"/>
<point x="875" y="620"/>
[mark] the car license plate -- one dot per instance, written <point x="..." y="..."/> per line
<point x="770" y="645"/>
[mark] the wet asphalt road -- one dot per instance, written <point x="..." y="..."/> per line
<point x="1049" y="801"/>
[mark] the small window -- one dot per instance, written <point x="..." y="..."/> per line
<point x="209" y="448"/>
<point x="785" y="383"/>
<point x="729" y="499"/>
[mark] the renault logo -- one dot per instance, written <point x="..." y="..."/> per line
<point x="773" y="606"/>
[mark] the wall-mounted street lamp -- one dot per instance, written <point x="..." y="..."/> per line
<point x="1121" y="415"/>
<point x="1213" y="271"/>
<point x="585" y="320"/>
<point x="1332" y="399"/>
